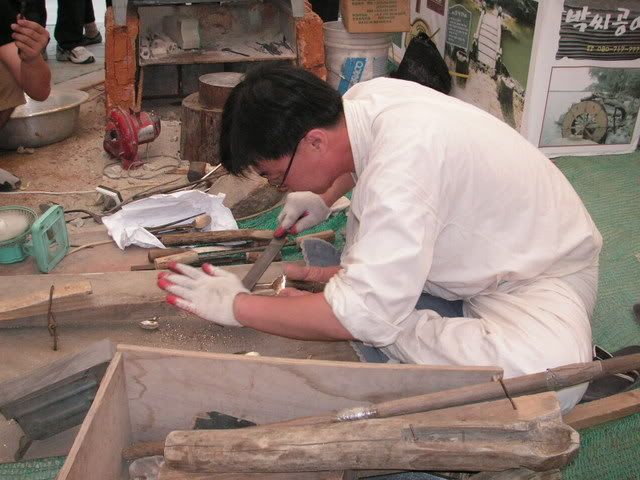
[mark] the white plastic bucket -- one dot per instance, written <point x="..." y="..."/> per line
<point x="353" y="57"/>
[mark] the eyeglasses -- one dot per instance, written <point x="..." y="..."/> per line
<point x="280" y="183"/>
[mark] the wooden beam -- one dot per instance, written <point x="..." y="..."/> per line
<point x="116" y="296"/>
<point x="490" y="436"/>
<point x="604" y="410"/>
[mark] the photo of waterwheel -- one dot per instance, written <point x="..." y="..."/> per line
<point x="586" y="120"/>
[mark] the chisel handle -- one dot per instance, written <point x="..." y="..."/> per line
<point x="154" y="253"/>
<point x="189" y="257"/>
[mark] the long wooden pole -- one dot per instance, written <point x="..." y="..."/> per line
<point x="550" y="380"/>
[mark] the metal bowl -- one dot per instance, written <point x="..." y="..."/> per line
<point x="35" y="124"/>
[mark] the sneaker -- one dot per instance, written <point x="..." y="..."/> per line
<point x="76" y="55"/>
<point x="97" y="38"/>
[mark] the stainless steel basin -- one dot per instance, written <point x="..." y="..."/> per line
<point x="35" y="124"/>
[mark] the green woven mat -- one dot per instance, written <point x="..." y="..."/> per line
<point x="42" y="469"/>
<point x="610" y="189"/>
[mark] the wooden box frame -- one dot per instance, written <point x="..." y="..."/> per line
<point x="148" y="392"/>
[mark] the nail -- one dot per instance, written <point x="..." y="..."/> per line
<point x="172" y="299"/>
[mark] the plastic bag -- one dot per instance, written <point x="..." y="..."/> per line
<point x="422" y="63"/>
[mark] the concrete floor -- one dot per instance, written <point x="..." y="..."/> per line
<point x="65" y="71"/>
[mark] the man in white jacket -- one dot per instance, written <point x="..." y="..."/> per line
<point x="448" y="202"/>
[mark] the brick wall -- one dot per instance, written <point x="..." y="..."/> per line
<point x="120" y="70"/>
<point x="310" y="40"/>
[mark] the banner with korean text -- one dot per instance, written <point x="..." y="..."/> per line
<point x="585" y="78"/>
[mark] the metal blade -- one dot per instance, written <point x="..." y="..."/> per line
<point x="250" y="279"/>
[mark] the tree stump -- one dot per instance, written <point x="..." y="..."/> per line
<point x="214" y="88"/>
<point x="200" y="131"/>
<point x="201" y="116"/>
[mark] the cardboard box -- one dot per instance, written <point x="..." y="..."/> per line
<point x="366" y="16"/>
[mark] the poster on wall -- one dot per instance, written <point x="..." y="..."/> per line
<point x="587" y="78"/>
<point x="488" y="48"/>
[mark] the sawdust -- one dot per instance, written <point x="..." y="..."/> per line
<point x="78" y="163"/>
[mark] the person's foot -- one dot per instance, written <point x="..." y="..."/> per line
<point x="91" y="40"/>
<point x="79" y="55"/>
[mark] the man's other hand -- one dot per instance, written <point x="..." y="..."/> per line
<point x="31" y="39"/>
<point x="208" y="292"/>
<point x="302" y="210"/>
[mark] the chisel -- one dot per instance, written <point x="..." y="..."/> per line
<point x="272" y="250"/>
<point x="251" y="278"/>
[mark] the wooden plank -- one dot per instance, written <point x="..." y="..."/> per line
<point x="34" y="298"/>
<point x="604" y="410"/>
<point x="117" y="296"/>
<point x="518" y="474"/>
<point x="95" y="354"/>
<point x="245" y="54"/>
<point x="491" y="436"/>
<point x="95" y="453"/>
<point x="168" y="387"/>
<point x="167" y="473"/>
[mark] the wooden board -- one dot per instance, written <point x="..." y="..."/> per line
<point x="116" y="297"/>
<point x="95" y="453"/>
<point x="14" y="304"/>
<point x="171" y="474"/>
<point x="604" y="410"/>
<point x="168" y="387"/>
<point x="95" y="354"/>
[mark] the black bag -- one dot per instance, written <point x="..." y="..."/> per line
<point x="422" y="63"/>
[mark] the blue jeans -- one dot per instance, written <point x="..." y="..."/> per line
<point x="318" y="253"/>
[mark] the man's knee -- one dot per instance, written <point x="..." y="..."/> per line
<point x="4" y="116"/>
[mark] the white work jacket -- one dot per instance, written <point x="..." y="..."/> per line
<point x="451" y="201"/>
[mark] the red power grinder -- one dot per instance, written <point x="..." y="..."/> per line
<point x="125" y="130"/>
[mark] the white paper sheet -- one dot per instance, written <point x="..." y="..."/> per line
<point x="126" y="226"/>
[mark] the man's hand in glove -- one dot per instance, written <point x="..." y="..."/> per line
<point x="308" y="205"/>
<point x="208" y="292"/>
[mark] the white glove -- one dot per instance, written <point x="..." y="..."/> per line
<point x="308" y="205"/>
<point x="208" y="293"/>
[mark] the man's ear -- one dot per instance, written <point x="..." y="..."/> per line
<point x="317" y="140"/>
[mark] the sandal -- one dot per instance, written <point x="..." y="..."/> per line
<point x="611" y="384"/>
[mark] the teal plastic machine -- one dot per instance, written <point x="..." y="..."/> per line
<point x="23" y="234"/>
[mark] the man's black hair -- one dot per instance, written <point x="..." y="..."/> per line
<point x="270" y="111"/>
